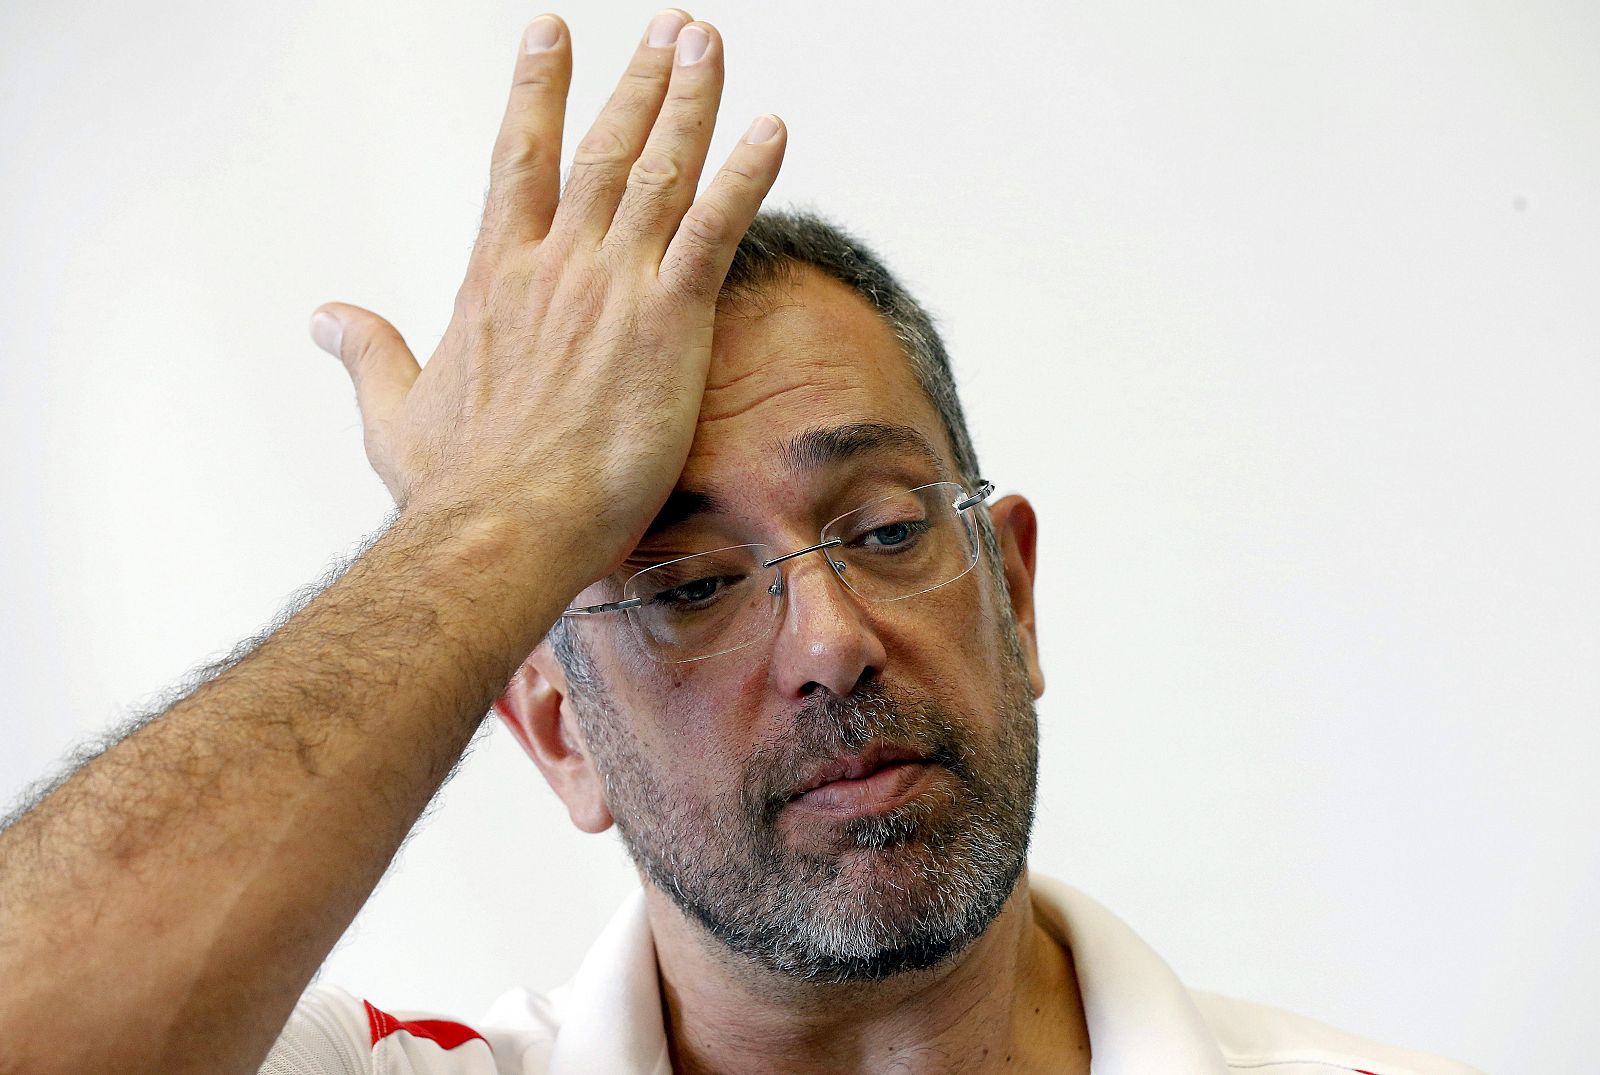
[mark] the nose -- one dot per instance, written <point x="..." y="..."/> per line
<point x="825" y="640"/>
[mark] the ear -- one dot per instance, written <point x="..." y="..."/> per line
<point x="536" y="708"/>
<point x="1017" y="529"/>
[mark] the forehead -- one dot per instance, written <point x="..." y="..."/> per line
<point x="810" y="357"/>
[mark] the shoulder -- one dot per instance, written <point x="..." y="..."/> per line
<point x="1270" y="1041"/>
<point x="331" y="1032"/>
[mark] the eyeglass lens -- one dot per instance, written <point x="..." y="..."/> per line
<point x="892" y="548"/>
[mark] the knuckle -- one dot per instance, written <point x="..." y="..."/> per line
<point x="738" y="175"/>
<point x="518" y="157"/>
<point x="654" y="170"/>
<point x="686" y="101"/>
<point x="537" y="79"/>
<point x="639" y="82"/>
<point x="707" y="225"/>
<point x="600" y="148"/>
<point x="368" y="350"/>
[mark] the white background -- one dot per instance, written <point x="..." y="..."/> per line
<point x="1285" y="314"/>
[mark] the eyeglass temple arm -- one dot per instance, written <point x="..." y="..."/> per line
<point x="613" y="606"/>
<point x="984" y="490"/>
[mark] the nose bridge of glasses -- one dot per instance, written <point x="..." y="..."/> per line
<point x="791" y="565"/>
<point x="825" y="544"/>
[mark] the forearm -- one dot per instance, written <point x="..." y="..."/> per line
<point x="163" y="908"/>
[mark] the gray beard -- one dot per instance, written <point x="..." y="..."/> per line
<point x="900" y="891"/>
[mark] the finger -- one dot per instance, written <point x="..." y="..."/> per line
<point x="525" y="167"/>
<point x="662" y="182"/>
<point x="377" y="359"/>
<point x="601" y="161"/>
<point x="697" y="259"/>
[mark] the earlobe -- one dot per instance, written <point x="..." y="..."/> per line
<point x="537" y="710"/>
<point x="1017" y="532"/>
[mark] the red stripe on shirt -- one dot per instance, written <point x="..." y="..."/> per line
<point x="445" y="1034"/>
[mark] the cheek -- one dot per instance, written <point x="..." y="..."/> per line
<point x="947" y="646"/>
<point x="696" y="723"/>
<point x="943" y="630"/>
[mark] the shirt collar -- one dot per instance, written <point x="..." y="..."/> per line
<point x="611" y="1009"/>
<point x="1140" y="1016"/>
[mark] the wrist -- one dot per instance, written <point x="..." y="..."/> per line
<point x="523" y="561"/>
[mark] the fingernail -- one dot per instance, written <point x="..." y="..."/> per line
<point x="762" y="129"/>
<point x="692" y="44"/>
<point x="664" y="28"/>
<point x="543" y="33"/>
<point x="327" y="332"/>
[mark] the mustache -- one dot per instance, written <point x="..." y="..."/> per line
<point x="831" y="725"/>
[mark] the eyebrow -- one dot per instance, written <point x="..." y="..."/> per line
<point x="815" y="448"/>
<point x="810" y="449"/>
<point x="681" y="505"/>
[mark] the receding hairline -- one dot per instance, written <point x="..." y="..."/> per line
<point x="781" y="245"/>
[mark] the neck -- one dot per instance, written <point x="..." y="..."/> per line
<point x="1009" y="1001"/>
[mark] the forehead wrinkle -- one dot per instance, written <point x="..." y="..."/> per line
<point x="780" y="376"/>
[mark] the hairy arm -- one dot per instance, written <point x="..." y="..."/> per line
<point x="163" y="907"/>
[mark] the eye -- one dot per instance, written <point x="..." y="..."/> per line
<point x="892" y="535"/>
<point x="695" y="592"/>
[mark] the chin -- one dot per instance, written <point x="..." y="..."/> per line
<point x="895" y="917"/>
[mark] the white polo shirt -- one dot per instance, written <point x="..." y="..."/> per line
<point x="607" y="1019"/>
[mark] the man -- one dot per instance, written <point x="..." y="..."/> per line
<point x="710" y="471"/>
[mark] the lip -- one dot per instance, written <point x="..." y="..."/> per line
<point x="856" y="766"/>
<point x="877" y="793"/>
<point x="874" y="782"/>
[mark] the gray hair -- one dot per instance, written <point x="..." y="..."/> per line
<point x="778" y="244"/>
<point x="774" y="249"/>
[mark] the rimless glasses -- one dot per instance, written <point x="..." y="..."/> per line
<point x="711" y="603"/>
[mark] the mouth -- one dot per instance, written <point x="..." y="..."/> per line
<point x="873" y="782"/>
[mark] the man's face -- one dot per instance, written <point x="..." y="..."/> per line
<point x="704" y="763"/>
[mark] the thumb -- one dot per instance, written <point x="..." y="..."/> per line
<point x="377" y="359"/>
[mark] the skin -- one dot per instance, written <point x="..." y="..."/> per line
<point x="216" y="853"/>
<point x="816" y="357"/>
